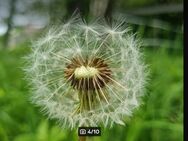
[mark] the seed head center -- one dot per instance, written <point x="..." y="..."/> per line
<point x="85" y="72"/>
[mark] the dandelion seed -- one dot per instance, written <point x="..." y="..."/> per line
<point x="87" y="75"/>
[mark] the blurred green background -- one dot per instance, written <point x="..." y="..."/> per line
<point x="158" y="23"/>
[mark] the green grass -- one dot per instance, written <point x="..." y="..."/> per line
<point x="160" y="118"/>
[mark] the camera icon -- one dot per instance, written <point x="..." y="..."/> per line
<point x="82" y="131"/>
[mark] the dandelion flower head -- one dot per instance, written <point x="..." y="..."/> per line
<point x="87" y="74"/>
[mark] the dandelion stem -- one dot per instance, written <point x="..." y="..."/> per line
<point x="82" y="138"/>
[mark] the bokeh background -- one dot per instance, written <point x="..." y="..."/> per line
<point x="159" y="23"/>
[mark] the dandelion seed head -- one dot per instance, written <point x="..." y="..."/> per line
<point x="87" y="74"/>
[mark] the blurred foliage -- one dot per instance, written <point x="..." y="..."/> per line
<point x="140" y="3"/>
